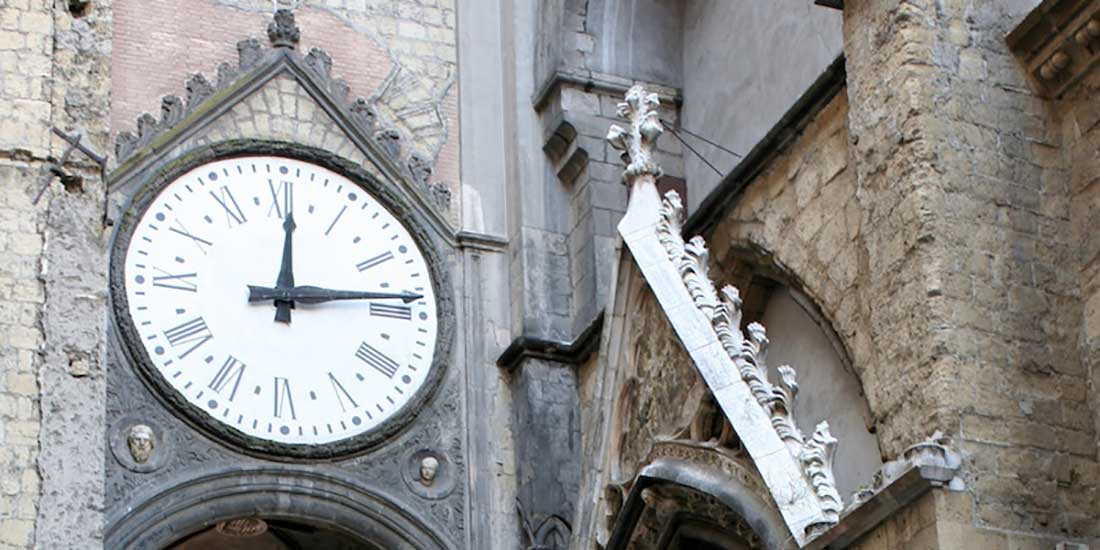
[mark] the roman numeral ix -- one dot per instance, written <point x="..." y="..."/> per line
<point x="181" y="281"/>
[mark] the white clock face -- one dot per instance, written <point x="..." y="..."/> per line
<point x="342" y="328"/>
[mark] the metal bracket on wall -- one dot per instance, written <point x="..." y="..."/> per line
<point x="56" y="167"/>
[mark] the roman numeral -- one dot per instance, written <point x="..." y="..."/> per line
<point x="182" y="281"/>
<point x="283" y="399"/>
<point x="230" y="372"/>
<point x="282" y="197"/>
<point x="336" y="219"/>
<point x="371" y="262"/>
<point x="391" y="311"/>
<point x="376" y="359"/>
<point x="193" y="332"/>
<point x="341" y="393"/>
<point x="233" y="212"/>
<point x="199" y="241"/>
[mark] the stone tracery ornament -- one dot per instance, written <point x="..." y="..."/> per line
<point x="140" y="441"/>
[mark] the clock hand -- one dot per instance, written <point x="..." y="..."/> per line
<point x="286" y="272"/>
<point x="317" y="295"/>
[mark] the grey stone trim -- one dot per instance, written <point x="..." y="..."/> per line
<point x="760" y="515"/>
<point x="599" y="82"/>
<point x="481" y="241"/>
<point x="177" y="508"/>
<point x="569" y="353"/>
<point x="135" y="354"/>
<point x="725" y="195"/>
<point x="256" y="67"/>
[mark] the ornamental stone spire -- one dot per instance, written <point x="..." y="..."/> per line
<point x="637" y="142"/>
<point x="283" y="32"/>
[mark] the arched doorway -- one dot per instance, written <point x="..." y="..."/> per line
<point x="265" y="533"/>
<point x="294" y="503"/>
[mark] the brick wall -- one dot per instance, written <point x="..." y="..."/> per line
<point x="400" y="53"/>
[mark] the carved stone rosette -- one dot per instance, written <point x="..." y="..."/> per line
<point x="708" y="322"/>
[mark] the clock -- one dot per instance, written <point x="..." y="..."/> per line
<point x="277" y="301"/>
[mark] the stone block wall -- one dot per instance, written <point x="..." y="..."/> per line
<point x="972" y="263"/>
<point x="26" y="109"/>
<point x="1080" y="119"/>
<point x="53" y="73"/>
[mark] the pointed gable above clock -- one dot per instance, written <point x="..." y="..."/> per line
<point x="276" y="95"/>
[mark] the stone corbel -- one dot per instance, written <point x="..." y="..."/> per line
<point x="1058" y="43"/>
<point x="796" y="469"/>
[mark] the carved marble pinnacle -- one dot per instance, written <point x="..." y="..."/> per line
<point x="638" y="142"/>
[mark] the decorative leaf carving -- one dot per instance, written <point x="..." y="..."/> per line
<point x="748" y="353"/>
<point x="637" y="142"/>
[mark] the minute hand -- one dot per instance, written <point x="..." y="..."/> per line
<point x="317" y="295"/>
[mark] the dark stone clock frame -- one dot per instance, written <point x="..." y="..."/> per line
<point x="136" y="355"/>
<point x="207" y="473"/>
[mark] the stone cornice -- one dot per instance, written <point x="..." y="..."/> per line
<point x="569" y="353"/>
<point x="1058" y="43"/>
<point x="608" y="84"/>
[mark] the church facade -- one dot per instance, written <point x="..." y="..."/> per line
<point x="590" y="274"/>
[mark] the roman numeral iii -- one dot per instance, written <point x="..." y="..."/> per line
<point x="391" y="311"/>
<point x="376" y="359"/>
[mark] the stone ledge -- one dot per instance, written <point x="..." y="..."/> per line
<point x="570" y="353"/>
<point x="1058" y="44"/>
<point x="897" y="495"/>
<point x="606" y="84"/>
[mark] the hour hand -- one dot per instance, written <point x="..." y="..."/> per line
<point x="317" y="295"/>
